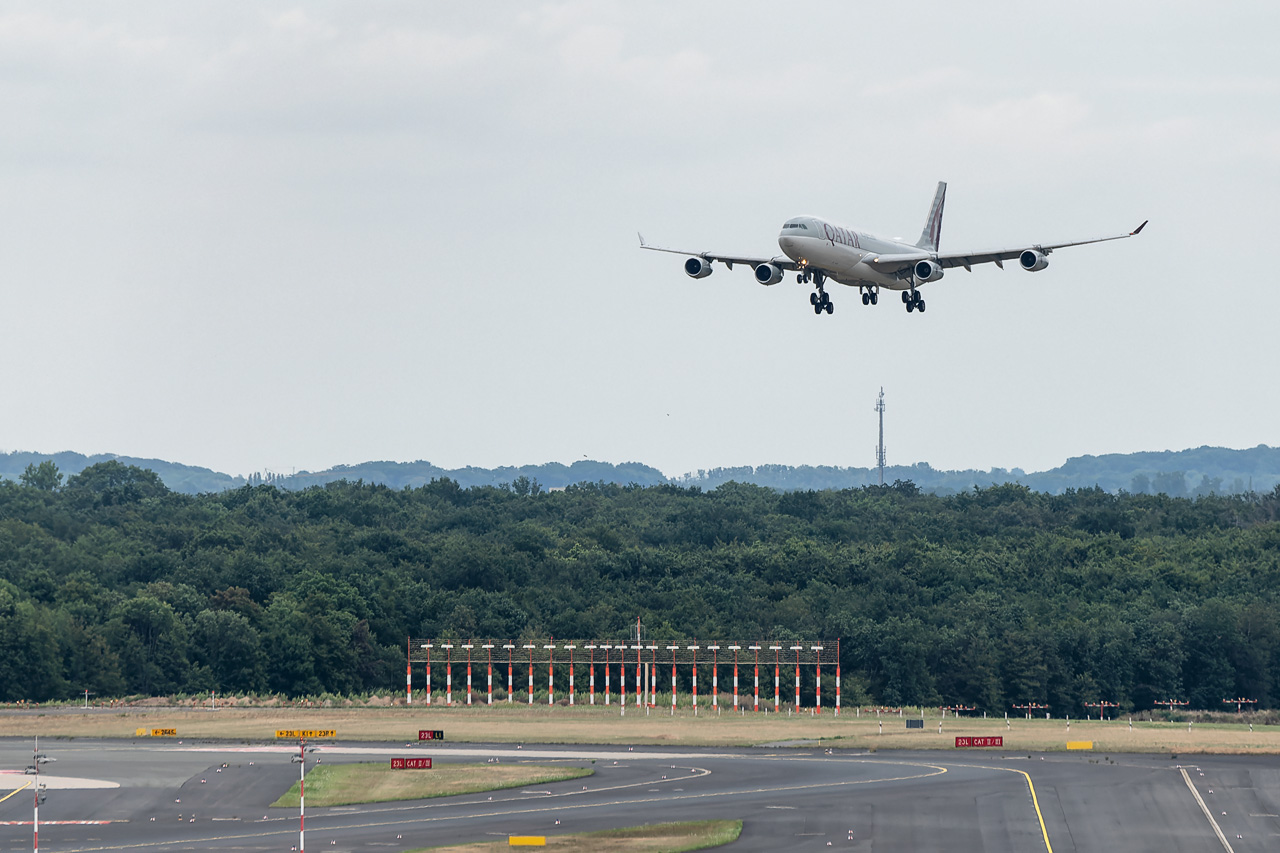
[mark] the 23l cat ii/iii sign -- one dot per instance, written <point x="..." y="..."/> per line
<point x="962" y="742"/>
<point x="411" y="764"/>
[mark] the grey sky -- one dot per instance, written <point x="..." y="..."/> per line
<point x="255" y="235"/>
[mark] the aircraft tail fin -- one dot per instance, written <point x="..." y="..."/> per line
<point x="932" y="233"/>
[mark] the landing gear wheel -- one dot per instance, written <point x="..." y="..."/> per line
<point x="817" y="308"/>
<point x="911" y="306"/>
<point x="813" y="298"/>
<point x="866" y="298"/>
<point x="906" y="297"/>
<point x="799" y="279"/>
<point x="829" y="306"/>
<point x="920" y="306"/>
<point x="875" y="297"/>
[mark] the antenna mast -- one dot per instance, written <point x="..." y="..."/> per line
<point x="880" y="446"/>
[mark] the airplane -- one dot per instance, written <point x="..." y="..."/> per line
<point x="819" y="251"/>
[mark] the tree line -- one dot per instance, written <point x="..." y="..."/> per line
<point x="110" y="582"/>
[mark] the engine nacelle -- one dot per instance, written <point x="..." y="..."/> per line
<point x="697" y="267"/>
<point x="768" y="274"/>
<point x="927" y="271"/>
<point x="1033" y="261"/>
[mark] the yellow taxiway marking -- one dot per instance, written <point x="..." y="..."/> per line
<point x="15" y="790"/>
<point x="1035" y="801"/>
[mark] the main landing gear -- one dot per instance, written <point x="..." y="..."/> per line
<point x="911" y="298"/>
<point x="870" y="297"/>
<point x="819" y="298"/>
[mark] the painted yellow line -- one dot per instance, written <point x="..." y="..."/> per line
<point x="1035" y="802"/>
<point x="15" y="790"/>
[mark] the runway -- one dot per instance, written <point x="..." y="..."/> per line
<point x="174" y="797"/>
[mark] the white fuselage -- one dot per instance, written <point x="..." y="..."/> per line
<point x="839" y="252"/>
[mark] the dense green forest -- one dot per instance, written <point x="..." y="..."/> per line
<point x="1182" y="473"/>
<point x="111" y="582"/>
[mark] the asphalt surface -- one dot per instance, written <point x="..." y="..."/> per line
<point x="175" y="796"/>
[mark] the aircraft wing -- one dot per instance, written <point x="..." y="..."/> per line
<point x="996" y="256"/>
<point x="728" y="260"/>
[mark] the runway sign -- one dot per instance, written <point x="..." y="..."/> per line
<point x="306" y="733"/>
<point x="527" y="841"/>
<point x="962" y="742"/>
<point x="411" y="764"/>
<point x="1079" y="744"/>
<point x="155" y="733"/>
<point x="429" y="734"/>
<point x="915" y="724"/>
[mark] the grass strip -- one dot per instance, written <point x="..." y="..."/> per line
<point x="658" y="838"/>
<point x="350" y="784"/>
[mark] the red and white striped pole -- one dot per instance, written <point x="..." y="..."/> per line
<point x="639" y="679"/>
<point x="695" y="678"/>
<point x="622" y="677"/>
<point x="408" y="672"/>
<point x="551" y="674"/>
<point x="35" y="817"/>
<point x="448" y="677"/>
<point x="757" y="679"/>
<point x="797" y="650"/>
<point x="571" y="648"/>
<point x="530" y="648"/>
<point x="673" y="649"/>
<point x="653" y="676"/>
<point x="429" y="673"/>
<point x="817" y="690"/>
<point x="714" y="676"/>
<point x="489" y="684"/>
<point x="735" y="676"/>
<point x="777" y="683"/>
<point x="511" y="686"/>
<point x="468" y="647"/>
<point x="606" y="674"/>
<point x="302" y="796"/>
<point x="837" y="677"/>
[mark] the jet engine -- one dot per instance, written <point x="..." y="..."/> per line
<point x="928" y="271"/>
<point x="768" y="274"/>
<point x="1033" y="261"/>
<point x="697" y="267"/>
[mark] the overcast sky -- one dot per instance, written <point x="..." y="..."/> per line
<point x="250" y="235"/>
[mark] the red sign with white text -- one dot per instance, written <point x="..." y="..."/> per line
<point x="962" y="742"/>
<point x="411" y="764"/>
<point x="427" y="734"/>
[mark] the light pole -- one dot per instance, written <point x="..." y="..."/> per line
<point x="1029" y="707"/>
<point x="1102" y="705"/>
<point x="1240" y="702"/>
<point x="1172" y="703"/>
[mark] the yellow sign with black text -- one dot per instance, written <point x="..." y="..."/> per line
<point x="155" y="733"/>
<point x="306" y="733"/>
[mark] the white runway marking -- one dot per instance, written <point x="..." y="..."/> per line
<point x="1217" y="829"/>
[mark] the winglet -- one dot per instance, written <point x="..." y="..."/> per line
<point x="642" y="243"/>
<point x="1135" y="232"/>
